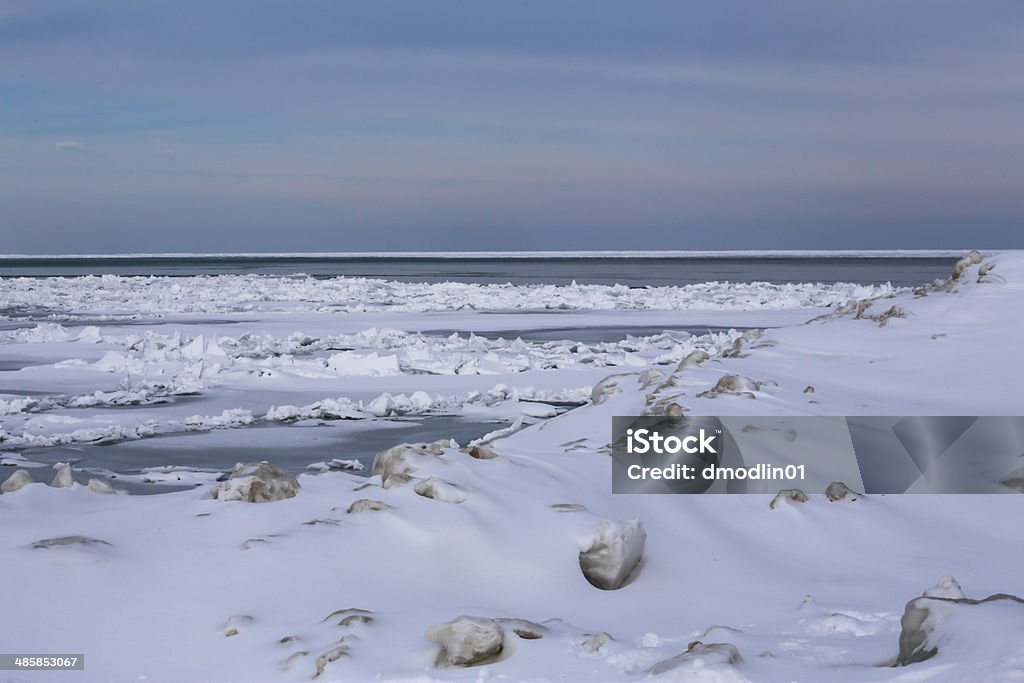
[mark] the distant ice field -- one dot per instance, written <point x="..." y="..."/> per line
<point x="139" y="378"/>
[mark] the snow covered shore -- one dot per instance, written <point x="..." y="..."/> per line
<point x="355" y="579"/>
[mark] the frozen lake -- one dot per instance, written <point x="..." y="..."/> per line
<point x="198" y="363"/>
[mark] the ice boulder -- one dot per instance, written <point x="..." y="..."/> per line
<point x="524" y="628"/>
<point x="837" y="491"/>
<point x="257" y="482"/>
<point x="406" y="458"/>
<point x="100" y="486"/>
<point x="733" y="384"/>
<point x="942" y="617"/>
<point x="18" y="480"/>
<point x="789" y="495"/>
<point x="608" y="386"/>
<point x="332" y="655"/>
<point x="596" y="642"/>
<point x="700" y="658"/>
<point x="397" y="479"/>
<point x="65" y="478"/>
<point x="367" y="505"/>
<point x="610" y="556"/>
<point x="67" y="542"/>
<point x="440" y="490"/>
<point x="964" y="264"/>
<point x="481" y="452"/>
<point x="467" y="641"/>
<point x="693" y="358"/>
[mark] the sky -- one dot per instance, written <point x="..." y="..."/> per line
<point x="249" y="125"/>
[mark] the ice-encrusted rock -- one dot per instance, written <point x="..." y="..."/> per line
<point x="732" y="384"/>
<point x="500" y="433"/>
<point x="984" y="274"/>
<point x="481" y="452"/>
<point x="649" y="377"/>
<point x="973" y="258"/>
<point x="693" y="358"/>
<point x="405" y="458"/>
<point x="736" y="350"/>
<point x="610" y="556"/>
<point x="100" y="486"/>
<point x="699" y="655"/>
<point x="345" y="614"/>
<point x="674" y="410"/>
<point x="1014" y="480"/>
<point x="65" y="477"/>
<point x="467" y="641"/>
<point x="596" y="642"/>
<point x="397" y="479"/>
<point x="355" y="619"/>
<point x="234" y="623"/>
<point x="892" y="312"/>
<point x="63" y="541"/>
<point x="789" y="495"/>
<point x="367" y="505"/>
<point x="16" y="481"/>
<point x="524" y="628"/>
<point x="441" y="490"/>
<point x="837" y="491"/>
<point x="609" y="386"/>
<point x="257" y="482"/>
<point x="923" y="625"/>
<point x="960" y="268"/>
<point x="331" y="655"/>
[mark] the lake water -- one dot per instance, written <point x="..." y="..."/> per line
<point x="640" y="271"/>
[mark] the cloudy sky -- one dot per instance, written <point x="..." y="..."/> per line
<point x="248" y="125"/>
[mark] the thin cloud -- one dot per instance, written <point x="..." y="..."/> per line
<point x="70" y="145"/>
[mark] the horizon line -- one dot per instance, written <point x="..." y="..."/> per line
<point x="553" y="254"/>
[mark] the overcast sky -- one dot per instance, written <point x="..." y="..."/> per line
<point x="247" y="125"/>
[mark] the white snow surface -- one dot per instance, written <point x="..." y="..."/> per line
<point x="182" y="587"/>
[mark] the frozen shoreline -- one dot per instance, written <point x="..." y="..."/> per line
<point x="192" y="588"/>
